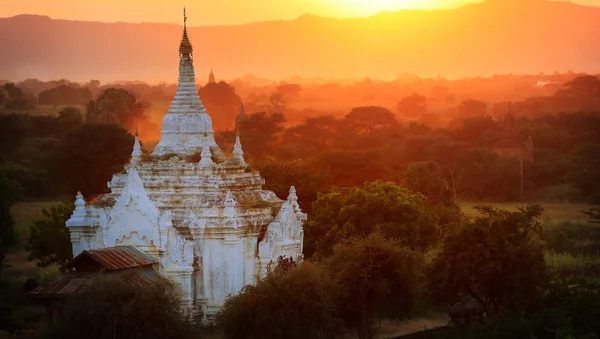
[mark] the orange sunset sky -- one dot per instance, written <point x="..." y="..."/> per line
<point x="217" y="12"/>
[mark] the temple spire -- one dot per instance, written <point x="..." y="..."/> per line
<point x="79" y="205"/>
<point x="211" y="77"/>
<point x="185" y="47"/>
<point x="238" y="153"/>
<point x="136" y="153"/>
<point x="238" y="120"/>
<point x="206" y="155"/>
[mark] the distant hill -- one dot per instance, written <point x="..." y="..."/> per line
<point x="494" y="37"/>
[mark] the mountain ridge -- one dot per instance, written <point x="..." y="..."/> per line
<point x="474" y="40"/>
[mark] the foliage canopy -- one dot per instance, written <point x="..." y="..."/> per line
<point x="345" y="213"/>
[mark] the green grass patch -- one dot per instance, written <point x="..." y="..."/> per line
<point x="568" y="260"/>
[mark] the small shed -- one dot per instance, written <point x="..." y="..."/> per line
<point x="88" y="265"/>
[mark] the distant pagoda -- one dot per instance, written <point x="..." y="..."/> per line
<point x="211" y="77"/>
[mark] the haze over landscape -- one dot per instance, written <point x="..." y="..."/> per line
<point x="299" y="169"/>
<point x="478" y="39"/>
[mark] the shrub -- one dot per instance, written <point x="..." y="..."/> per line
<point x="288" y="303"/>
<point x="115" y="307"/>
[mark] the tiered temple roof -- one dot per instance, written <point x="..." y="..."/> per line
<point x="204" y="217"/>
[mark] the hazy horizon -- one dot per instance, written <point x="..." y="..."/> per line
<point x="205" y="13"/>
<point x="495" y="37"/>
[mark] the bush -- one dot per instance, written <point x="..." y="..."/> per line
<point x="378" y="278"/>
<point x="496" y="258"/>
<point x="576" y="238"/>
<point x="50" y="241"/>
<point x="115" y="307"/>
<point x="292" y="303"/>
<point x="548" y="324"/>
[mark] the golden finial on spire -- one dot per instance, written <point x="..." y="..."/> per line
<point x="185" y="48"/>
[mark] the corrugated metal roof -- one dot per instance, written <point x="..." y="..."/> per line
<point x="71" y="284"/>
<point x="116" y="258"/>
<point x="78" y="283"/>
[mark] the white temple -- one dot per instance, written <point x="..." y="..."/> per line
<point x="208" y="223"/>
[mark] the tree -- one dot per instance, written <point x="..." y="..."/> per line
<point x="370" y="119"/>
<point x="64" y="95"/>
<point x="69" y="117"/>
<point x="10" y="191"/>
<point x="472" y="108"/>
<point x="315" y="132"/>
<point x="259" y="132"/>
<point x="289" y="90"/>
<point x="413" y="105"/>
<point x="88" y="156"/>
<point x="277" y="102"/>
<point x="281" y="175"/>
<point x="581" y="93"/>
<point x="496" y="258"/>
<point x="378" y="278"/>
<point x="13" y="131"/>
<point x="296" y="303"/>
<point x="12" y="91"/>
<point x="479" y="130"/>
<point x="222" y="103"/>
<point x="345" y="213"/>
<point x="425" y="177"/>
<point x="49" y="240"/>
<point x="116" y="105"/>
<point x="116" y="306"/>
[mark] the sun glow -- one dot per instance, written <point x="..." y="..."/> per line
<point x="368" y="7"/>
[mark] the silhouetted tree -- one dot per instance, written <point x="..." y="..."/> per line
<point x="12" y="91"/>
<point x="370" y="119"/>
<point x="277" y="102"/>
<point x="10" y="191"/>
<point x="13" y="132"/>
<point x="472" y="108"/>
<point x="289" y="90"/>
<point x="479" y="130"/>
<point x="116" y="105"/>
<point x="69" y="117"/>
<point x="281" y="175"/>
<point x="581" y="93"/>
<point x="413" y="105"/>
<point x="64" y="95"/>
<point x="315" y="134"/>
<point x="222" y="103"/>
<point x="88" y="156"/>
<point x="259" y="133"/>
